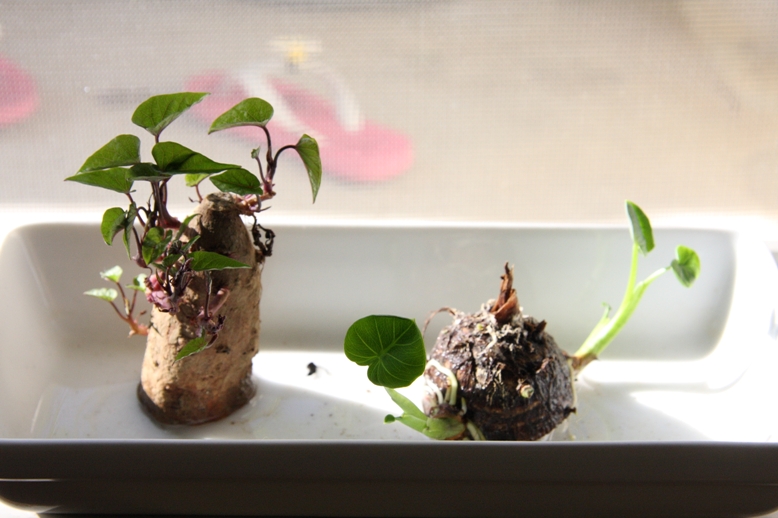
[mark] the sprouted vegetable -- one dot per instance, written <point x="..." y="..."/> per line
<point x="497" y="374"/>
<point x="203" y="273"/>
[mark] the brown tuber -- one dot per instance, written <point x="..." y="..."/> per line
<point x="515" y="381"/>
<point x="216" y="381"/>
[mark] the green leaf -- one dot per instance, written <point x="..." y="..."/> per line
<point x="406" y="404"/>
<point x="392" y="348"/>
<point x="174" y="158"/>
<point x="112" y="274"/>
<point x="686" y="265"/>
<point x="138" y="283"/>
<point x="195" y="179"/>
<point x="156" y="113"/>
<point x="112" y="224"/>
<point x="642" y="235"/>
<point x="170" y="260"/>
<point x="238" y="181"/>
<point x="147" y="172"/>
<point x="249" y="112"/>
<point x="308" y="149"/>
<point x="154" y="243"/>
<point x="123" y="150"/>
<point x="114" y="179"/>
<point x="193" y="346"/>
<point x="129" y="221"/>
<point x="108" y="294"/>
<point x="202" y="260"/>
<point x="434" y="427"/>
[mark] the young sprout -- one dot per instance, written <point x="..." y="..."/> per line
<point x="163" y="244"/>
<point x="109" y="294"/>
<point x="497" y="374"/>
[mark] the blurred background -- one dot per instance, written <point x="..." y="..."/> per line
<point x="459" y="110"/>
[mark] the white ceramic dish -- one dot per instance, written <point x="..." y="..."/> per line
<point x="677" y="418"/>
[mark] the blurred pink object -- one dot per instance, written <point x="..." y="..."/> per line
<point x="364" y="152"/>
<point x="18" y="93"/>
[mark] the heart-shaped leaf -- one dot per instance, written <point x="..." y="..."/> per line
<point x="121" y="151"/>
<point x="202" y="260"/>
<point x="156" y="113"/>
<point x="686" y="265"/>
<point x="642" y="235"/>
<point x="114" y="179"/>
<point x="249" y="112"/>
<point x="392" y="348"/>
<point x="154" y="243"/>
<point x="108" y="294"/>
<point x="112" y="224"/>
<point x="112" y="274"/>
<point x="174" y="158"/>
<point x="238" y="181"/>
<point x="308" y="149"/>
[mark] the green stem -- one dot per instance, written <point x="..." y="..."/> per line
<point x="607" y="329"/>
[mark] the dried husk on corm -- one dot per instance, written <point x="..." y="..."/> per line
<point x="515" y="383"/>
<point x="215" y="382"/>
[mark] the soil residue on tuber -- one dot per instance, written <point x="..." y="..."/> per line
<point x="516" y="382"/>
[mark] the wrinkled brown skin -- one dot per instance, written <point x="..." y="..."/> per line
<point x="493" y="368"/>
<point x="217" y="381"/>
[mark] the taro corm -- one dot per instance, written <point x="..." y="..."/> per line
<point x="496" y="374"/>
<point x="203" y="273"/>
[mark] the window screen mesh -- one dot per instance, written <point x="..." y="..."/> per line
<point x="450" y="110"/>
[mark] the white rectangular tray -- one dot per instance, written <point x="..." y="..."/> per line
<point x="676" y="418"/>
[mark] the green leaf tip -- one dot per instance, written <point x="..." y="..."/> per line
<point x="108" y="294"/>
<point x="193" y="346"/>
<point x="112" y="274"/>
<point x="173" y="158"/>
<point x="308" y="149"/>
<point x="249" y="112"/>
<point x="686" y="265"/>
<point x="123" y="150"/>
<point x="640" y="228"/>
<point x="238" y="181"/>
<point x="157" y="112"/>
<point x="114" y="179"/>
<point x="391" y="347"/>
<point x="202" y="260"/>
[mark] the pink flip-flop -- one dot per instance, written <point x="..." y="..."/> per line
<point x="18" y="93"/>
<point x="362" y="151"/>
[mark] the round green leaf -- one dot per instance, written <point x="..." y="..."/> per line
<point x="154" y="243"/>
<point x="642" y="235"/>
<point x="308" y="149"/>
<point x="238" y="181"/>
<point x="108" y="294"/>
<point x="114" y="179"/>
<point x="391" y="347"/>
<point x="157" y="112"/>
<point x="121" y="151"/>
<point x="112" y="224"/>
<point x="249" y="112"/>
<point x="112" y="274"/>
<point x="202" y="260"/>
<point x="686" y="265"/>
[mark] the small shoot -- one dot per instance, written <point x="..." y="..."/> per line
<point x="392" y="348"/>
<point x="152" y="237"/>
<point x="686" y="266"/>
<point x="110" y="294"/>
